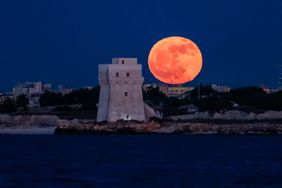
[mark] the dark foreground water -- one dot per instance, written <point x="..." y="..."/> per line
<point x="140" y="161"/>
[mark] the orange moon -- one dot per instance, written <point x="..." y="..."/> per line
<point x="175" y="60"/>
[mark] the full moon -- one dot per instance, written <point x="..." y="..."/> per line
<point x="175" y="60"/>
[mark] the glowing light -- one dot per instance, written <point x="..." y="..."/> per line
<point x="175" y="60"/>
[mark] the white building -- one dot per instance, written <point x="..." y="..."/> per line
<point x="32" y="90"/>
<point x="221" y="89"/>
<point x="121" y="95"/>
<point x="178" y="91"/>
<point x="64" y="91"/>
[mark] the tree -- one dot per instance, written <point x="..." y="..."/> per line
<point x="22" y="101"/>
<point x="51" y="99"/>
<point x="213" y="104"/>
<point x="171" y="106"/>
<point x="205" y="90"/>
<point x="86" y="97"/>
<point x="154" y="96"/>
<point x="249" y="96"/>
<point x="8" y="106"/>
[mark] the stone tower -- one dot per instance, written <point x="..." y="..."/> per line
<point x="121" y="91"/>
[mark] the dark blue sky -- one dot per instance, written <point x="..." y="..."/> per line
<point x="62" y="41"/>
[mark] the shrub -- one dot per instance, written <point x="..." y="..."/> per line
<point x="8" y="106"/>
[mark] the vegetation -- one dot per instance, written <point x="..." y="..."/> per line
<point x="246" y="99"/>
<point x="159" y="101"/>
<point x="88" y="98"/>
<point x="63" y="109"/>
<point x="154" y="97"/>
<point x="22" y="101"/>
<point x="51" y="99"/>
<point x="255" y="97"/>
<point x="213" y="104"/>
<point x="8" y="106"/>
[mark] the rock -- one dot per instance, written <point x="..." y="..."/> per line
<point x="202" y="115"/>
<point x="235" y="115"/>
<point x="197" y="115"/>
<point x="29" y="120"/>
<point x="270" y="115"/>
<point x="44" y="120"/>
<point x="88" y="127"/>
<point x="232" y="115"/>
<point x="149" y="112"/>
<point x="5" y="119"/>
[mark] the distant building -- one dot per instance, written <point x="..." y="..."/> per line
<point x="64" y="91"/>
<point x="88" y="87"/>
<point x="221" y="89"/>
<point x="32" y="90"/>
<point x="267" y="90"/>
<point x="148" y="86"/>
<point x="176" y="91"/>
<point x="170" y="91"/>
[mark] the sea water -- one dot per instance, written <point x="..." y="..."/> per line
<point x="140" y="161"/>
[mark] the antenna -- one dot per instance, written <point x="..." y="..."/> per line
<point x="199" y="89"/>
<point x="280" y="76"/>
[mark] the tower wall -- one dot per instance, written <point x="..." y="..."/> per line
<point x="104" y="93"/>
<point x="121" y="91"/>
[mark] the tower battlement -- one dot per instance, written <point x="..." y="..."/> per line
<point x="125" y="61"/>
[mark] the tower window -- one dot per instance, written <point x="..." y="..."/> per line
<point x="127" y="74"/>
<point x="126" y="94"/>
<point x="117" y="74"/>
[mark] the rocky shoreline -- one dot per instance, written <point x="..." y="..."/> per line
<point x="230" y="122"/>
<point x="200" y="123"/>
<point x="200" y="128"/>
<point x="28" y="124"/>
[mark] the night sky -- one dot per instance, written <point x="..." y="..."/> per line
<point x="63" y="41"/>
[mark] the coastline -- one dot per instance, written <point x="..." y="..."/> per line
<point x="164" y="127"/>
<point x="29" y="131"/>
<point x="202" y="123"/>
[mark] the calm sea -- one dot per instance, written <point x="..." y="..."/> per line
<point x="140" y="161"/>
